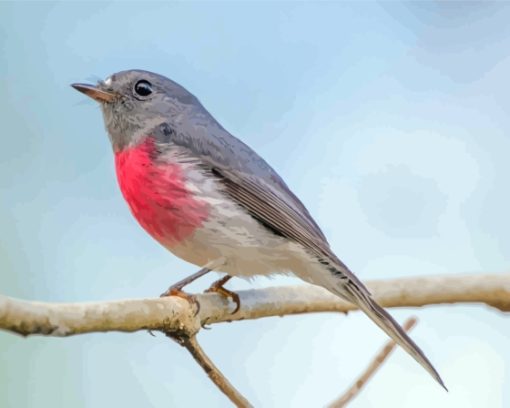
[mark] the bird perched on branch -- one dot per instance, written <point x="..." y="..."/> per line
<point x="211" y="200"/>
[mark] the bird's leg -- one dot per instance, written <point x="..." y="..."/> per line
<point x="176" y="289"/>
<point x="218" y="288"/>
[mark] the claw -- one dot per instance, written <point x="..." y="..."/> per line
<point x="176" y="291"/>
<point x="217" y="287"/>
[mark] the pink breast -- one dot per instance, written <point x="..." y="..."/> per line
<point x="157" y="195"/>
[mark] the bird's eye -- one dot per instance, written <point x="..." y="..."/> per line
<point x="143" y="88"/>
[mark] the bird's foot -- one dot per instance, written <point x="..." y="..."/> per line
<point x="217" y="287"/>
<point x="176" y="290"/>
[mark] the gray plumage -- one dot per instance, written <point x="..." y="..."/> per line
<point x="181" y="124"/>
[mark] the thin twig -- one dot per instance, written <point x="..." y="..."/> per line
<point x="213" y="372"/>
<point x="379" y="359"/>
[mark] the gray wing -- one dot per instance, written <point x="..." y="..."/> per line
<point x="233" y="159"/>
<point x="254" y="185"/>
<point x="272" y="208"/>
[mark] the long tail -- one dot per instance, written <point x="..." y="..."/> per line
<point x="355" y="292"/>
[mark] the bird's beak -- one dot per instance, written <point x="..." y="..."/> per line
<point x="95" y="93"/>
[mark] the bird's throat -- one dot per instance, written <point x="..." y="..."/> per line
<point x="156" y="192"/>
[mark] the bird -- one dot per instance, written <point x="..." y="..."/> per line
<point x="211" y="200"/>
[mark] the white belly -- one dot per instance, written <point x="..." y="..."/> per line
<point x="248" y="247"/>
<point x="230" y="232"/>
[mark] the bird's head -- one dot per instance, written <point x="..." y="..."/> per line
<point x="134" y="102"/>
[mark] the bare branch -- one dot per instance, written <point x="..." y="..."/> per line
<point x="175" y="314"/>
<point x="212" y="371"/>
<point x="177" y="318"/>
<point x="379" y="359"/>
<point x="65" y="319"/>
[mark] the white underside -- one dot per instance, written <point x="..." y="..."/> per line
<point x="245" y="247"/>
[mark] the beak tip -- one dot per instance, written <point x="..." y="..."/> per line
<point x="93" y="92"/>
<point x="81" y="87"/>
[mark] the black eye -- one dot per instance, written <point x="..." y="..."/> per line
<point x="143" y="88"/>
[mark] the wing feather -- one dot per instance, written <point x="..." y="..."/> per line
<point x="270" y="206"/>
<point x="253" y="184"/>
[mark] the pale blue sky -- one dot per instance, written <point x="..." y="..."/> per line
<point x="390" y="122"/>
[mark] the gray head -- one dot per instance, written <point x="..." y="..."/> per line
<point x="135" y="102"/>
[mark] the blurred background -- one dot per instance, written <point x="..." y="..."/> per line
<point x="389" y="120"/>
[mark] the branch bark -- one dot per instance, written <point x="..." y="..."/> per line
<point x="215" y="375"/>
<point x="174" y="314"/>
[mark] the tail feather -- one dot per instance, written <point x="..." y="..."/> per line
<point x="361" y="298"/>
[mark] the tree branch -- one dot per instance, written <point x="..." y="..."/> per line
<point x="175" y="314"/>
<point x="177" y="318"/>
<point x="212" y="371"/>
<point x="379" y="359"/>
